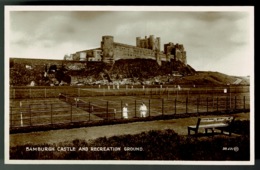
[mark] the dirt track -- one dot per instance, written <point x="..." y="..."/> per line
<point x="88" y="133"/>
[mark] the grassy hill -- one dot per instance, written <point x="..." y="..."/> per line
<point x="213" y="78"/>
<point x="24" y="71"/>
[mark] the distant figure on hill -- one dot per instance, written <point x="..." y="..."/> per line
<point x="143" y="110"/>
<point x="125" y="111"/>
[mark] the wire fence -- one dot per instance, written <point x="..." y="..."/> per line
<point x="70" y="108"/>
<point x="123" y="90"/>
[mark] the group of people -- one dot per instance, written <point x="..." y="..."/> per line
<point x="142" y="109"/>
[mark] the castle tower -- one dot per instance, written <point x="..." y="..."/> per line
<point x="151" y="43"/>
<point x="158" y="44"/>
<point x="138" y="43"/>
<point x="108" y="49"/>
<point x="146" y="43"/>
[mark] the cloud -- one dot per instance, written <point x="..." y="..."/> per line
<point x="211" y="39"/>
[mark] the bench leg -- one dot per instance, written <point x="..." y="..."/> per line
<point x="229" y="132"/>
<point x="191" y="129"/>
<point x="212" y="131"/>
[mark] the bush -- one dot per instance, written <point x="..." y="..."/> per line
<point x="152" y="145"/>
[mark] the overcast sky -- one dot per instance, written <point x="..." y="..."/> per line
<point x="214" y="40"/>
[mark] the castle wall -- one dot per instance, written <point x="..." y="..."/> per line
<point x="147" y="48"/>
<point x="88" y="55"/>
<point x="123" y="51"/>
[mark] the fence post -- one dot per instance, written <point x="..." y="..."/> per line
<point x="21" y="114"/>
<point x="88" y="111"/>
<point x="71" y="113"/>
<point x="197" y="105"/>
<point x="11" y="117"/>
<point x="107" y="110"/>
<point x="114" y="114"/>
<point x="207" y="104"/>
<point x="217" y="103"/>
<point x="45" y="93"/>
<point x="244" y="102"/>
<point x="121" y="109"/>
<point x="149" y="108"/>
<point x="186" y="104"/>
<point x="30" y="113"/>
<point x="162" y="106"/>
<point x="212" y="102"/>
<point x="226" y="102"/>
<point x="51" y="115"/>
<point x="235" y="102"/>
<point x="175" y="109"/>
<point x="30" y="91"/>
<point x="135" y="108"/>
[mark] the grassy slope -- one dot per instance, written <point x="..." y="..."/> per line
<point x="216" y="78"/>
<point x="143" y="69"/>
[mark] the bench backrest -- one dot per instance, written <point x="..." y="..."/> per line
<point x="217" y="119"/>
<point x="227" y="120"/>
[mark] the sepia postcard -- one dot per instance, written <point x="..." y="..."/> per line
<point x="157" y="85"/>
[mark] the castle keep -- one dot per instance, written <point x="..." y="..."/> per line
<point x="146" y="48"/>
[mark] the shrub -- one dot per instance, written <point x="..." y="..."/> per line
<point x="152" y="145"/>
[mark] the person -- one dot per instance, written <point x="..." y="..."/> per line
<point x="125" y="111"/>
<point x="143" y="110"/>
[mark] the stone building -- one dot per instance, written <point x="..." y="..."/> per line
<point x="176" y="52"/>
<point x="88" y="55"/>
<point x="147" y="48"/>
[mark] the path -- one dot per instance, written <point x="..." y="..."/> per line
<point x="88" y="133"/>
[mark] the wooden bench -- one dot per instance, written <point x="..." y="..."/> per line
<point x="220" y="123"/>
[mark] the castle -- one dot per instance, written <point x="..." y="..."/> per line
<point x="146" y="48"/>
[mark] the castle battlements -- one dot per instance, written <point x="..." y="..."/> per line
<point x="146" y="48"/>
